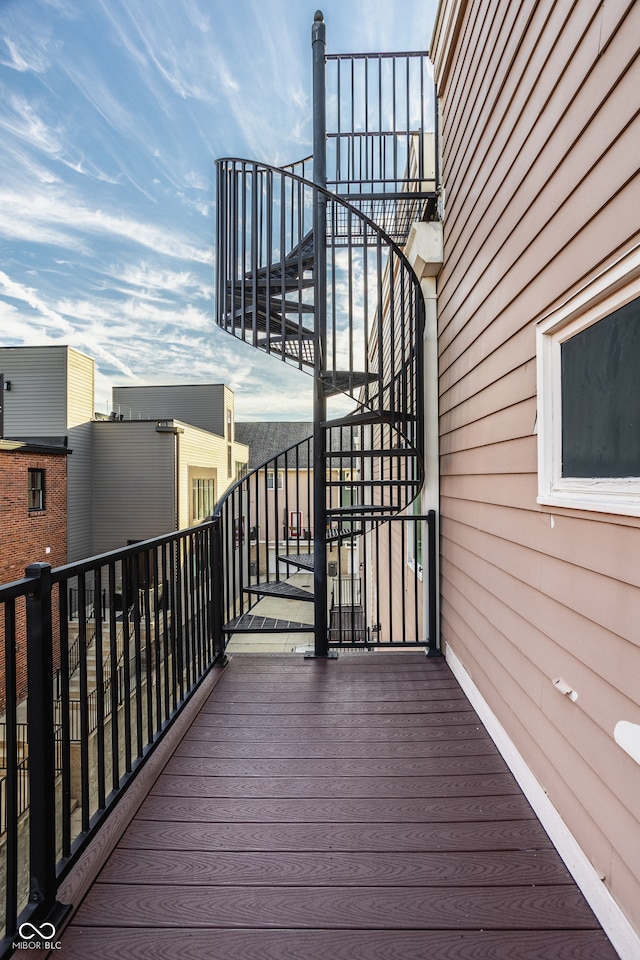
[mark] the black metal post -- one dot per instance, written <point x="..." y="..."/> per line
<point x="217" y="588"/>
<point x="433" y="649"/>
<point x="42" y="761"/>
<point x="320" y="303"/>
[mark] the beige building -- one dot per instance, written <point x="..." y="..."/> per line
<point x="284" y="489"/>
<point x="537" y="352"/>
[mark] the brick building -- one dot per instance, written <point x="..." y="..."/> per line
<point x="33" y="524"/>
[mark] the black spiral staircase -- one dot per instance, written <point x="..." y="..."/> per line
<point x="310" y="269"/>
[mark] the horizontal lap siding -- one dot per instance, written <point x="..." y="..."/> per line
<point x="80" y="376"/>
<point x="134" y="469"/>
<point x="541" y="140"/>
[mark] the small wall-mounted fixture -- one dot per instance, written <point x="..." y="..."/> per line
<point x="563" y="687"/>
<point x="168" y="426"/>
<point x="7" y="385"/>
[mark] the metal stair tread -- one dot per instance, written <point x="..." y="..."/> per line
<point x="279" y="588"/>
<point x="249" y="623"/>
<point x="337" y="381"/>
<point x="304" y="560"/>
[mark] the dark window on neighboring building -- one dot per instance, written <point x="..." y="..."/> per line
<point x="601" y="397"/>
<point x="36" y="489"/>
<point x="203" y="497"/>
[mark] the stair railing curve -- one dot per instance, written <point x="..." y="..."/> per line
<point x="374" y="325"/>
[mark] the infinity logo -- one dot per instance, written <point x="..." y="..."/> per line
<point x="46" y="932"/>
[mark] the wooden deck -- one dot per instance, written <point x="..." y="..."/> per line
<point x="350" y="809"/>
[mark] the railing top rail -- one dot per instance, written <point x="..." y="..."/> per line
<point x="15" y="589"/>
<point x="20" y="588"/>
<point x="384" y="55"/>
<point x="261" y="466"/>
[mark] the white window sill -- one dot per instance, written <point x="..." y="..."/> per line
<point x="412" y="566"/>
<point x="623" y="498"/>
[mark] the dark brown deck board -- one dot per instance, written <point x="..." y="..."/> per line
<point x="561" y="907"/>
<point x="335" y="810"/>
<point x="333" y="767"/>
<point x="365" y="837"/>
<point x="261" y="725"/>
<point x="408" y="868"/>
<point x="114" y="943"/>
<point x="213" y="749"/>
<point x="228" y="707"/>
<point x="310" y="787"/>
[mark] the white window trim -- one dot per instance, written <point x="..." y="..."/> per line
<point x="618" y="285"/>
<point x="271" y="480"/>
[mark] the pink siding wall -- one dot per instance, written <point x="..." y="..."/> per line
<point x="541" y="150"/>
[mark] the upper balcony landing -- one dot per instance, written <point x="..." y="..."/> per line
<point x="382" y="139"/>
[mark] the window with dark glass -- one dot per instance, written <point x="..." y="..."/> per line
<point x="35" y="489"/>
<point x="600" y="385"/>
<point x="203" y="497"/>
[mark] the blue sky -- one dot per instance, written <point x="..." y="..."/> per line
<point x="112" y="113"/>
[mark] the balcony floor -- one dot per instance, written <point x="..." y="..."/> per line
<point x="350" y="809"/>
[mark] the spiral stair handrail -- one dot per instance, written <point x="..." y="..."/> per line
<point x="374" y="329"/>
<point x="375" y="309"/>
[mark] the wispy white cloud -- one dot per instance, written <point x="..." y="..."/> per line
<point x="20" y="118"/>
<point x="24" y="55"/>
<point x="29" y="296"/>
<point x="149" y="281"/>
<point x="58" y="217"/>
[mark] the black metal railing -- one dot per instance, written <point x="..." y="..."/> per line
<point x="157" y="634"/>
<point x="381" y="132"/>
<point x="310" y="269"/>
<point x="267" y="532"/>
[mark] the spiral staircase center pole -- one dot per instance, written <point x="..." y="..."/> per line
<point x="318" y="43"/>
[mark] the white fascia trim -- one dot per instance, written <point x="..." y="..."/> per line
<point x="625" y="940"/>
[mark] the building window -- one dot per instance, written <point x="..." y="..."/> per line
<point x="229" y="461"/>
<point x="203" y="497"/>
<point x="229" y="426"/>
<point x="36" y="490"/>
<point x="589" y="397"/>
<point x="271" y="478"/>
<point x="349" y="497"/>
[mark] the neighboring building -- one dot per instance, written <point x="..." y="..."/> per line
<point x="209" y="406"/>
<point x="538" y="326"/>
<point x="33" y="521"/>
<point x="51" y="395"/>
<point x="130" y="477"/>
<point x="156" y="476"/>
<point x="286" y="488"/>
